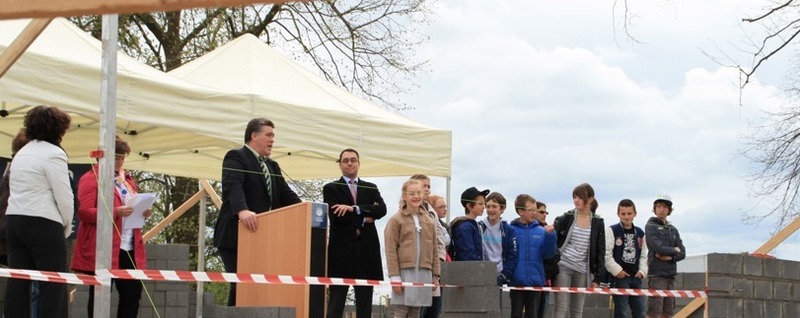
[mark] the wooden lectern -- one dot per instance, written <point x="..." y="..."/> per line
<point x="289" y="241"/>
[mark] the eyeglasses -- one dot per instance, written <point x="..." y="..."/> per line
<point x="349" y="160"/>
<point x="529" y="210"/>
<point x="544" y="212"/>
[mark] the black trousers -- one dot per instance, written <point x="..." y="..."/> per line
<point x="38" y="244"/>
<point x="338" y="296"/>
<point x="130" y="291"/>
<point x="228" y="257"/>
<point x="524" y="303"/>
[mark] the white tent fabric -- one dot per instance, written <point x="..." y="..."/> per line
<point x="174" y="126"/>
<point x="319" y="115"/>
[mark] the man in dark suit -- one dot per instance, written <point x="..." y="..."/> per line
<point x="354" y="249"/>
<point x="252" y="183"/>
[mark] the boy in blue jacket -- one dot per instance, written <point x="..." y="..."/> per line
<point x="467" y="241"/>
<point x="498" y="238"/>
<point x="535" y="243"/>
<point x="626" y="260"/>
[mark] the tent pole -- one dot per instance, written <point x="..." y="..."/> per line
<point x="449" y="206"/>
<point x="105" y="193"/>
<point x="201" y="251"/>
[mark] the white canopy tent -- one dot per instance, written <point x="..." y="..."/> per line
<point x="319" y="115"/>
<point x="182" y="128"/>
<point x="62" y="68"/>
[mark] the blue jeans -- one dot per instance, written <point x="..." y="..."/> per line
<point x="628" y="306"/>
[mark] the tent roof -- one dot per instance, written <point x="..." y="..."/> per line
<point x="335" y="119"/>
<point x="174" y="126"/>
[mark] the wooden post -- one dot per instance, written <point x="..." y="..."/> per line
<point x="21" y="43"/>
<point x="779" y="237"/>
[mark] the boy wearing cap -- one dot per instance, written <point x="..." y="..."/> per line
<point x="665" y="250"/>
<point x="626" y="260"/>
<point x="467" y="240"/>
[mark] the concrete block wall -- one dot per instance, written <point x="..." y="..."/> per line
<point x="741" y="285"/>
<point x="479" y="296"/>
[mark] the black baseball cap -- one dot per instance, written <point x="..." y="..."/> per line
<point x="470" y="194"/>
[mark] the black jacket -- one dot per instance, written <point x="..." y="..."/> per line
<point x="663" y="238"/>
<point x="245" y="188"/>
<point x="597" y="241"/>
<point x="354" y="249"/>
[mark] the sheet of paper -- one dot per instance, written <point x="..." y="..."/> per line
<point x="140" y="202"/>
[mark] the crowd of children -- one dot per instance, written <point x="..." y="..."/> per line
<point x="576" y="250"/>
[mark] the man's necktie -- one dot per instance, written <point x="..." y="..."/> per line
<point x="267" y="177"/>
<point x="353" y="189"/>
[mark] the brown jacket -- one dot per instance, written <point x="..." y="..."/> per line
<point x="401" y="246"/>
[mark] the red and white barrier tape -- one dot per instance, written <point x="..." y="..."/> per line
<point x="53" y="277"/>
<point x="218" y="277"/>
<point x="618" y="291"/>
<point x="104" y="276"/>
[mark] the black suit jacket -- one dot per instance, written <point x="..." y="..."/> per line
<point x="351" y="255"/>
<point x="245" y="188"/>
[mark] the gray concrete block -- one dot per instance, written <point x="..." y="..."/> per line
<point x="773" y="309"/>
<point x="176" y="298"/>
<point x="178" y="265"/>
<point x="796" y="292"/>
<point x="752" y="266"/>
<point x="693" y="281"/>
<point x="753" y="308"/>
<point x="172" y="286"/>
<point x="762" y="289"/>
<point x="176" y="312"/>
<point x="469" y="273"/>
<point x="790" y="270"/>
<point x="598" y="312"/>
<point x="472" y="299"/>
<point x="158" y="298"/>
<point x="719" y="283"/>
<point x="782" y="290"/>
<point x="718" y="307"/>
<point x="772" y="267"/>
<point x="724" y="263"/>
<point x="596" y="301"/>
<point x="791" y="309"/>
<point x="742" y="288"/>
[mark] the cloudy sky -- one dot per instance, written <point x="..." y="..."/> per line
<point x="544" y="95"/>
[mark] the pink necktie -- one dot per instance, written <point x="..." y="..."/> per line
<point x="353" y="189"/>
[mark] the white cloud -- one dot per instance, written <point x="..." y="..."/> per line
<point x="540" y="97"/>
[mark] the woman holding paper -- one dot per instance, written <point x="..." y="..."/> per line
<point x="126" y="244"/>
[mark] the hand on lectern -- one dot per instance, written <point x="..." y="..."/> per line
<point x="248" y="218"/>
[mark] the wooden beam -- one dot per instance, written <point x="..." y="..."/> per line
<point x="15" y="9"/>
<point x="690" y="308"/>
<point x="779" y="237"/>
<point x="211" y="193"/>
<point x="21" y="43"/>
<point x="174" y="215"/>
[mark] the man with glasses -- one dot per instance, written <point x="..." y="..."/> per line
<point x="354" y="249"/>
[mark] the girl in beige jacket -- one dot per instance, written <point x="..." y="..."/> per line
<point x="411" y="252"/>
